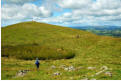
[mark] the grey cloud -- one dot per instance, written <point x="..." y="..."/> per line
<point x="16" y="1"/>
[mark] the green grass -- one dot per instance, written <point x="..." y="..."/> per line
<point x="89" y="50"/>
<point x="31" y="52"/>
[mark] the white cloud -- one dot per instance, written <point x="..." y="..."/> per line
<point x="75" y="4"/>
<point x="92" y="11"/>
<point x="51" y="5"/>
<point x="67" y="14"/>
<point x="81" y="11"/>
<point x="25" y="11"/>
<point x="83" y="4"/>
<point x="107" y="4"/>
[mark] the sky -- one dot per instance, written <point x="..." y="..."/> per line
<point x="62" y="12"/>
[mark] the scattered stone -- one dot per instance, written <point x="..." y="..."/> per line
<point x="108" y="74"/>
<point x="99" y="72"/>
<point x="21" y="73"/>
<point x="66" y="69"/>
<point x="103" y="69"/>
<point x="53" y="67"/>
<point x="57" y="73"/>
<point x="70" y="68"/>
<point x="91" y="68"/>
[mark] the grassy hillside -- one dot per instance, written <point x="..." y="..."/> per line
<point x="89" y="50"/>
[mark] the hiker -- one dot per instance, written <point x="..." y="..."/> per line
<point x="37" y="63"/>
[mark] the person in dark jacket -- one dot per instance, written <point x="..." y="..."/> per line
<point x="37" y="63"/>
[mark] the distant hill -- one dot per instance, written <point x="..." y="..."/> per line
<point x="114" y="31"/>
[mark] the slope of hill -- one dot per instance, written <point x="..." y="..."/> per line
<point x="89" y="50"/>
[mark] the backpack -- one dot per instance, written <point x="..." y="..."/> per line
<point x="37" y="62"/>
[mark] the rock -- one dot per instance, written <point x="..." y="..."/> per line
<point x="66" y="69"/>
<point x="99" y="72"/>
<point x="70" y="68"/>
<point x="91" y="68"/>
<point x="21" y="73"/>
<point x="53" y="67"/>
<point x="108" y="74"/>
<point x="103" y="69"/>
<point x="57" y="73"/>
